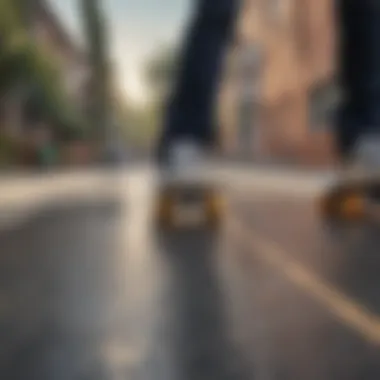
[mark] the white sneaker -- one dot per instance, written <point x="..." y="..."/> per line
<point x="186" y="160"/>
<point x="365" y="159"/>
<point x="367" y="153"/>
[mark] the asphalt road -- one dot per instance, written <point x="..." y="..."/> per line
<point x="90" y="290"/>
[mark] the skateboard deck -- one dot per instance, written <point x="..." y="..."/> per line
<point x="183" y="203"/>
<point x="351" y="199"/>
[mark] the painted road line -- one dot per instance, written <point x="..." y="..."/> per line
<point x="345" y="309"/>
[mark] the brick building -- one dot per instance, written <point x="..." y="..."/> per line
<point x="285" y="53"/>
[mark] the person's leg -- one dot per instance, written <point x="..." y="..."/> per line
<point x="190" y="112"/>
<point x="359" y="32"/>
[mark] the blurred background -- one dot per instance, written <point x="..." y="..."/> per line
<point x="90" y="289"/>
<point x="84" y="81"/>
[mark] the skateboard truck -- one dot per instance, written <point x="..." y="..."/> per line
<point x="178" y="204"/>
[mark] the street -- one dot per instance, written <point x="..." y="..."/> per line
<point x="91" y="290"/>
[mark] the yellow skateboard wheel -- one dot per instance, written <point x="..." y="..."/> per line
<point x="165" y="210"/>
<point x="214" y="208"/>
<point x="210" y="203"/>
<point x="344" y="205"/>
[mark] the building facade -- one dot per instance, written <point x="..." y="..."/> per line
<point x="285" y="52"/>
<point x="48" y="31"/>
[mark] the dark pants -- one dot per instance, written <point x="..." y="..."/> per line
<point x="358" y="24"/>
<point x="190" y="111"/>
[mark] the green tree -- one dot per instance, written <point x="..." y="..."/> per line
<point x="13" y="40"/>
<point x="25" y="64"/>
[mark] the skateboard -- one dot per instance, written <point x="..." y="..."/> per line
<point x="351" y="199"/>
<point x="179" y="201"/>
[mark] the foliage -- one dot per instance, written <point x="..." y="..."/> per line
<point x="10" y="22"/>
<point x="46" y="88"/>
<point x="9" y="150"/>
<point x="27" y="66"/>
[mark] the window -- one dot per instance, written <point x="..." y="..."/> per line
<point x="323" y="101"/>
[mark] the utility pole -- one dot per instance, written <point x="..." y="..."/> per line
<point x="99" y="96"/>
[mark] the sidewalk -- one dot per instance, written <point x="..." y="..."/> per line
<point x="274" y="180"/>
<point x="32" y="191"/>
<point x="19" y="188"/>
<point x="22" y="195"/>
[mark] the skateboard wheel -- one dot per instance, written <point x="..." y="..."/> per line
<point x="214" y="209"/>
<point x="344" y="206"/>
<point x="165" y="211"/>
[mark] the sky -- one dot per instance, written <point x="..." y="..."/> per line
<point x="136" y="29"/>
